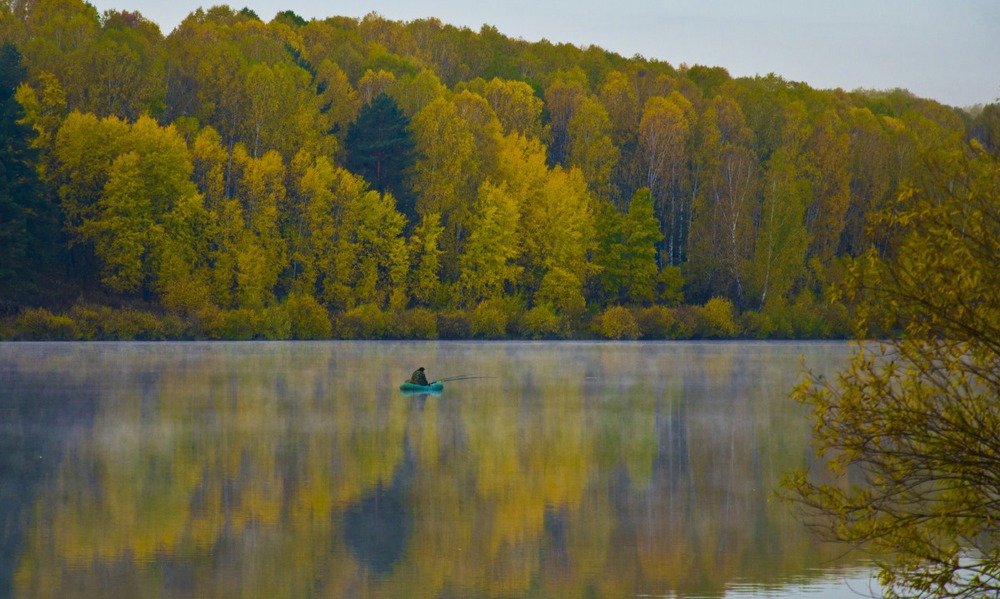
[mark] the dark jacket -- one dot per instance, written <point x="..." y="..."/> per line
<point x="418" y="377"/>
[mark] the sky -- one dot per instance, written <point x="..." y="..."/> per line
<point x="946" y="50"/>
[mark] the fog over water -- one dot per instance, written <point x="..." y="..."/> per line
<point x="300" y="469"/>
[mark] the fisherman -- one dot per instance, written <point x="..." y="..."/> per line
<point x="419" y="378"/>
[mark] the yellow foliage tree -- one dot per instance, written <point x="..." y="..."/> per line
<point x="517" y="107"/>
<point x="445" y="152"/>
<point x="148" y="224"/>
<point x="591" y="148"/>
<point x="913" y="419"/>
<point x="488" y="263"/>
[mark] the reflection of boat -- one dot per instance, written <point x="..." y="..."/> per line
<point x="435" y="387"/>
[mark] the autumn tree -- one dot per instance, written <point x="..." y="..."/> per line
<point x="517" y="107"/>
<point x="555" y="222"/>
<point x="261" y="253"/>
<point x="986" y="128"/>
<point x="488" y="263"/>
<point x="445" y="157"/>
<point x="781" y="240"/>
<point x="486" y="131"/>
<point x="664" y="132"/>
<point x="619" y="96"/>
<point x="872" y="178"/>
<point x="335" y="39"/>
<point x="425" y="258"/>
<point x="135" y="203"/>
<point x="591" y="148"/>
<point x="626" y="252"/>
<point x="373" y="84"/>
<point x="562" y="228"/>
<point x="912" y="420"/>
<point x="328" y="249"/>
<point x="562" y="98"/>
<point x="60" y="39"/>
<point x="204" y="85"/>
<point x="351" y="250"/>
<point x="283" y="112"/>
<point x="234" y="86"/>
<point x="45" y="111"/>
<point x="827" y="153"/>
<point x="83" y="150"/>
<point x="725" y="210"/>
<point x="382" y="271"/>
<point x="413" y="93"/>
<point x="127" y="64"/>
<point x="640" y="237"/>
<point x="340" y="102"/>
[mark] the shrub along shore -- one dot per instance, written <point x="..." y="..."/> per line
<point x="304" y="318"/>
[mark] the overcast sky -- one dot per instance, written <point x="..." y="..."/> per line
<point x="948" y="50"/>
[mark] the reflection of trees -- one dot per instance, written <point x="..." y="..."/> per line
<point x="38" y="417"/>
<point x="227" y="467"/>
<point x="377" y="526"/>
<point x="298" y="469"/>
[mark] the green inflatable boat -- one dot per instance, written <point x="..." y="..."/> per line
<point x="409" y="387"/>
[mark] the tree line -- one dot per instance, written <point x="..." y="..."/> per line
<point x="371" y="178"/>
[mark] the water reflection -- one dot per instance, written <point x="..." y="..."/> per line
<point x="299" y="469"/>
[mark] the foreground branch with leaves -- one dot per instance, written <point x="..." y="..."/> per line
<point x="911" y="427"/>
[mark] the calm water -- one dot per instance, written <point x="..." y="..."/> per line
<point x="300" y="470"/>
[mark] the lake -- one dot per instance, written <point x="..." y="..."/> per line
<point x="299" y="469"/>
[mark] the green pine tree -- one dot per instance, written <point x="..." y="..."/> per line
<point x="380" y="149"/>
<point x="25" y="222"/>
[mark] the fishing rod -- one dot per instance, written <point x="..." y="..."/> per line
<point x="463" y="377"/>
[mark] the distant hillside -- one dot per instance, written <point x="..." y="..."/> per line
<point x="375" y="178"/>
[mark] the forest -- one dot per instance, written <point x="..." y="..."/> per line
<point x="366" y="178"/>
